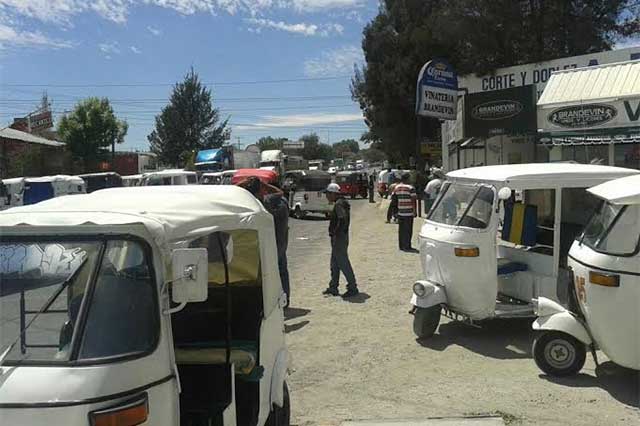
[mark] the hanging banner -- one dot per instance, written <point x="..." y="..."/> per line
<point x="437" y="90"/>
<point x="501" y="112"/>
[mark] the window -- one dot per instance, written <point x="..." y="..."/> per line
<point x="122" y="316"/>
<point x="613" y="229"/>
<point x="464" y="205"/>
<point x="191" y="179"/>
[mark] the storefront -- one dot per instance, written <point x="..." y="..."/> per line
<point x="517" y="141"/>
<point x="593" y="115"/>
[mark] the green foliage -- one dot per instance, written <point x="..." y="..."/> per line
<point x="346" y="146"/>
<point x="476" y="36"/>
<point x="188" y="123"/>
<point x="91" y="129"/>
<point x="267" y="143"/>
<point x="314" y="149"/>
<point x="373" y="155"/>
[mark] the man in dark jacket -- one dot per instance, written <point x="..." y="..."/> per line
<point x="339" y="233"/>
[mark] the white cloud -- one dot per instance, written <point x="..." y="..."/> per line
<point x="153" y="30"/>
<point x="299" y="120"/>
<point x="135" y="50"/>
<point x="333" y="62"/>
<point x="109" y="48"/>
<point x="302" y="28"/>
<point x="319" y="5"/>
<point x="13" y="37"/>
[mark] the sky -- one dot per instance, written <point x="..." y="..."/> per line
<point x="276" y="67"/>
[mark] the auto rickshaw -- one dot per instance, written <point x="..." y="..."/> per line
<point x="132" y="180"/>
<point x="266" y="176"/>
<point x="605" y="309"/>
<point x="353" y="183"/>
<point x="118" y="311"/>
<point x="211" y="178"/>
<point x="305" y="190"/>
<point x="498" y="237"/>
<point x="96" y="181"/>
<point x="169" y="177"/>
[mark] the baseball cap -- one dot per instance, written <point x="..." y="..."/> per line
<point x="333" y="187"/>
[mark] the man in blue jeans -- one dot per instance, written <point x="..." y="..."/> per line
<point x="339" y="233"/>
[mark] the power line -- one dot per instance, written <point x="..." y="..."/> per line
<point x="146" y="84"/>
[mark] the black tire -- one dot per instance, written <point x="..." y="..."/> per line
<point x="353" y="196"/>
<point x="298" y="213"/>
<point x="281" y="416"/>
<point x="559" y="354"/>
<point x="426" y="321"/>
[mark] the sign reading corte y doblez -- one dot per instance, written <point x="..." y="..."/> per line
<point x="437" y="90"/>
<point x="539" y="73"/>
<point x="591" y="116"/>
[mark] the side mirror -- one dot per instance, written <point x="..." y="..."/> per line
<point x="190" y="275"/>
<point x="504" y="193"/>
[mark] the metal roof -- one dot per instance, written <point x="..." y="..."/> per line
<point x="599" y="83"/>
<point x="18" y="135"/>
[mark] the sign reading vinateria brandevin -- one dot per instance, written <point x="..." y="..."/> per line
<point x="437" y="90"/>
<point x="501" y="112"/>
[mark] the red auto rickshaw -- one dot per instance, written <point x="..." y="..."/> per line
<point x="353" y="184"/>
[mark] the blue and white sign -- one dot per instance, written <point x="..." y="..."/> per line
<point x="437" y="91"/>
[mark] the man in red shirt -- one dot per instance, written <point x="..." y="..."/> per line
<point x="406" y="212"/>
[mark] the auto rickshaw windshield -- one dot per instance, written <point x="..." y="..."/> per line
<point x="464" y="205"/>
<point x="613" y="229"/>
<point x="75" y="301"/>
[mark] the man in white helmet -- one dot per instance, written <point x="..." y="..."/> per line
<point x="339" y="233"/>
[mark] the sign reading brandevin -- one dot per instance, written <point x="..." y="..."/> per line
<point x="437" y="90"/>
<point x="501" y="112"/>
<point x="592" y="116"/>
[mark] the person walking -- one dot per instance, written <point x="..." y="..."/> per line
<point x="371" y="186"/>
<point x="406" y="212"/>
<point x="339" y="234"/>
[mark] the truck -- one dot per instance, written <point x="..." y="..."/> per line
<point x="273" y="159"/>
<point x="294" y="162"/>
<point x="225" y="158"/>
<point x="134" y="163"/>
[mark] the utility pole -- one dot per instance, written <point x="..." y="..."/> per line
<point x="238" y="142"/>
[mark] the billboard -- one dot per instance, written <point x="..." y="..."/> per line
<point x="591" y="116"/>
<point x="34" y="122"/>
<point x="437" y="90"/>
<point x="501" y="112"/>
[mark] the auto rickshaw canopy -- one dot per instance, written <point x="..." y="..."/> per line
<point x="620" y="191"/>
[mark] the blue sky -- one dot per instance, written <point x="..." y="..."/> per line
<point x="133" y="50"/>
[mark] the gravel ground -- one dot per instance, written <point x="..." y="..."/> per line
<point x="359" y="360"/>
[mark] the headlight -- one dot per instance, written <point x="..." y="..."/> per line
<point x="419" y="289"/>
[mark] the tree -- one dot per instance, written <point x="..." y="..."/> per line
<point x="476" y="36"/>
<point x="90" y="130"/>
<point x="267" y="142"/>
<point x="346" y="146"/>
<point x="373" y="155"/>
<point x="188" y="123"/>
<point x="314" y="149"/>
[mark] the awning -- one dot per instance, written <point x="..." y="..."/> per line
<point x="465" y="143"/>
<point x="558" y="139"/>
<point x="591" y="99"/>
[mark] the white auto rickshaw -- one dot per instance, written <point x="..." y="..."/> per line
<point x="132" y="180"/>
<point x="169" y="177"/>
<point x="211" y="178"/>
<point x="605" y="309"/>
<point x="498" y="237"/>
<point x="118" y="311"/>
<point x="305" y="190"/>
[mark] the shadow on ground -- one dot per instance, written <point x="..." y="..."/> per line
<point x="621" y="383"/>
<point x="499" y="339"/>
<point x="289" y="328"/>
<point x="360" y="298"/>
<point x="292" y="313"/>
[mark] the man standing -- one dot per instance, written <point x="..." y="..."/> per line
<point x="406" y="212"/>
<point x="371" y="186"/>
<point x="339" y="234"/>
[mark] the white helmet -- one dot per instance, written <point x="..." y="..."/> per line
<point x="333" y="187"/>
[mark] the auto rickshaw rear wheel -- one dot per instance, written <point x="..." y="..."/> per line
<point x="281" y="416"/>
<point x="426" y="321"/>
<point x="559" y="354"/>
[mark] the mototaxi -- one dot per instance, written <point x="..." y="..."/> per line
<point x="353" y="183"/>
<point x="305" y="190"/>
<point x="169" y="177"/>
<point x="103" y="180"/>
<point x="604" y="310"/>
<point x="116" y="310"/>
<point x="497" y="238"/>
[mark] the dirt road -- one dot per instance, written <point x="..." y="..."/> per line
<point x="360" y="360"/>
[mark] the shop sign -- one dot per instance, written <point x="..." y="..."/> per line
<point x="581" y="116"/>
<point x="501" y="112"/>
<point x="437" y="90"/>
<point x="591" y="116"/>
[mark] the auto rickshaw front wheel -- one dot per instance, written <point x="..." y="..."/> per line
<point x="426" y="321"/>
<point x="281" y="416"/>
<point x="559" y="354"/>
